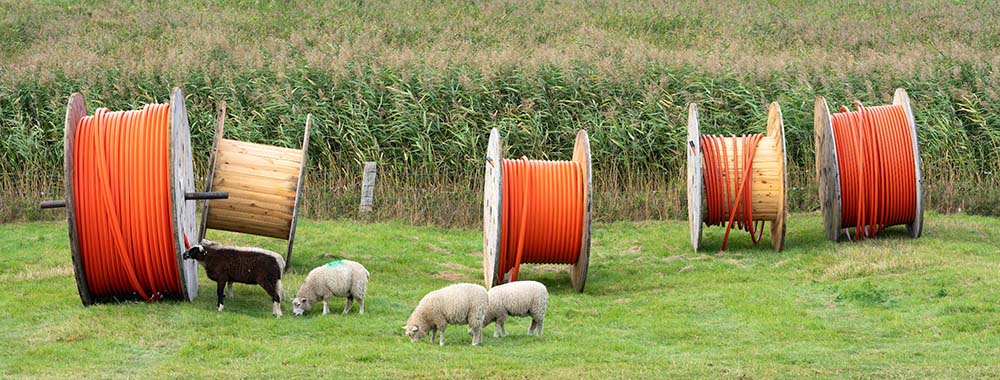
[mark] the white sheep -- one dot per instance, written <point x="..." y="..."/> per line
<point x="520" y="299"/>
<point x="341" y="278"/>
<point x="454" y="304"/>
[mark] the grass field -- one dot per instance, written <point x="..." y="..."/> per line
<point x="891" y="307"/>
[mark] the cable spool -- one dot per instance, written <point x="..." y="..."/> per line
<point x="130" y="201"/>
<point x="869" y="168"/>
<point x="264" y="184"/>
<point x="536" y="212"/>
<point x="738" y="181"/>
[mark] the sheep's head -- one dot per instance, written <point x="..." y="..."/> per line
<point x="300" y="305"/>
<point x="415" y="332"/>
<point x="197" y="253"/>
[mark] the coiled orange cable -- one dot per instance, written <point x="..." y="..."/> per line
<point x="542" y="215"/>
<point x="877" y="168"/>
<point x="121" y="192"/>
<point x="718" y="176"/>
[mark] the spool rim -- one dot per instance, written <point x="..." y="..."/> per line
<point x="776" y="127"/>
<point x="695" y="180"/>
<point x="492" y="206"/>
<point x="298" y="193"/>
<point x="76" y="108"/>
<point x="916" y="228"/>
<point x="581" y="154"/>
<point x="827" y="169"/>
<point x="181" y="176"/>
<point x="220" y="122"/>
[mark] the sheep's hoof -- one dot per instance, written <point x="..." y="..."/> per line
<point x="221" y="306"/>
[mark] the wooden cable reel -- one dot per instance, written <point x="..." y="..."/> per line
<point x="767" y="184"/>
<point x="829" y="176"/>
<point x="180" y="196"/>
<point x="264" y="184"/>
<point x="493" y="215"/>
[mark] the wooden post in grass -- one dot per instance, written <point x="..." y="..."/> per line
<point x="368" y="187"/>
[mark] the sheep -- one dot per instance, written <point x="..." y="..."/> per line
<point x="246" y="265"/>
<point x="521" y="299"/>
<point x="341" y="278"/>
<point x="455" y="304"/>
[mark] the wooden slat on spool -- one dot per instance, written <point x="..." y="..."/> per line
<point x="182" y="211"/>
<point x="695" y="179"/>
<point x="827" y="169"/>
<point x="76" y="109"/>
<point x="492" y="185"/>
<point x="581" y="154"/>
<point x="915" y="228"/>
<point x="776" y="128"/>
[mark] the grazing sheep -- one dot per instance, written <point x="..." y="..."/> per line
<point x="341" y="278"/>
<point x="520" y="299"/>
<point x="455" y="304"/>
<point x="245" y="265"/>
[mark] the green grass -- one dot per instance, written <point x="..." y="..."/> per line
<point x="891" y="307"/>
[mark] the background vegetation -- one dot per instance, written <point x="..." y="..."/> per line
<point x="416" y="86"/>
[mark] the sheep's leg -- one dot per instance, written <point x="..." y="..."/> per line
<point x="222" y="294"/>
<point x="361" y="309"/>
<point x="230" y="285"/>
<point x="350" y="303"/>
<point x="477" y="335"/>
<point x="443" y="327"/>
<point x="433" y="334"/>
<point x="536" y="326"/>
<point x="271" y="287"/>
<point x="502" y="324"/>
<point x="326" y="307"/>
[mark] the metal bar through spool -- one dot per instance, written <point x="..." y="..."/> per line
<point x="191" y="196"/>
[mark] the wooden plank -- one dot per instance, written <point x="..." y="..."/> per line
<point x="492" y="204"/>
<point x="251" y="218"/>
<point x="246" y="195"/>
<point x="581" y="154"/>
<point x="827" y="169"/>
<point x="255" y="184"/>
<point x="261" y="150"/>
<point x="235" y="225"/>
<point x="695" y="181"/>
<point x="257" y="208"/>
<point x="268" y="175"/>
<point x="916" y="228"/>
<point x="368" y="187"/>
<point x="230" y="157"/>
<point x="76" y="109"/>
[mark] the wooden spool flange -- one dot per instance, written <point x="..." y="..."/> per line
<point x="492" y="198"/>
<point x="696" y="180"/>
<point x="181" y="179"/>
<point x="264" y="184"/>
<point x="828" y="171"/>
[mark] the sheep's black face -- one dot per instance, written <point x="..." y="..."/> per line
<point x="196" y="253"/>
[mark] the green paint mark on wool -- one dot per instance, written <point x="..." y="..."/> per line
<point x="334" y="263"/>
